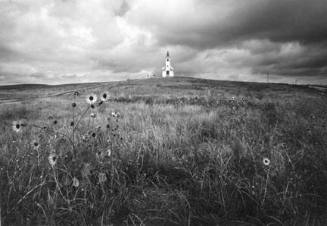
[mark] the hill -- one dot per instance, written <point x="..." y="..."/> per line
<point x="177" y="151"/>
<point x="159" y="88"/>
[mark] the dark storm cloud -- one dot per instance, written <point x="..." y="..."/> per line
<point x="276" y="20"/>
<point x="123" y="9"/>
<point x="310" y="61"/>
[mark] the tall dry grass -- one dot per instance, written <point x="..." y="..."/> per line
<point x="191" y="159"/>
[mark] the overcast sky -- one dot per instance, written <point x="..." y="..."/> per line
<point x="65" y="41"/>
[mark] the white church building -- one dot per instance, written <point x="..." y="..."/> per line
<point x="168" y="70"/>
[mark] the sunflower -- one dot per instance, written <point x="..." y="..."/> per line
<point x="104" y="97"/>
<point x="92" y="134"/>
<point x="91" y="99"/>
<point x="266" y="161"/>
<point x="35" y="145"/>
<point x="55" y="122"/>
<point x="16" y="126"/>
<point x="53" y="159"/>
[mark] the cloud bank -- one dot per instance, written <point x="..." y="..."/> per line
<point x="64" y="41"/>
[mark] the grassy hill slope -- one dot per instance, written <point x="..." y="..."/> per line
<point x="177" y="151"/>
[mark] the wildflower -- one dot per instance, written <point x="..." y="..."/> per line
<point x="73" y="105"/>
<point x="75" y="182"/>
<point x="35" y="145"/>
<point x="93" y="115"/>
<point x="76" y="93"/>
<point x="52" y="159"/>
<point x="23" y="123"/>
<point x="104" y="97"/>
<point x="266" y="161"/>
<point x="102" y="178"/>
<point x="115" y="114"/>
<point x="109" y="152"/>
<point x="233" y="98"/>
<point x="98" y="155"/>
<point x="91" y="99"/>
<point x="16" y="126"/>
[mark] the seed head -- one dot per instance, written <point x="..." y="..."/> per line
<point x="86" y="170"/>
<point x="75" y="182"/>
<point x="109" y="152"/>
<point x="102" y="178"/>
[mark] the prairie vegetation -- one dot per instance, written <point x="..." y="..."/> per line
<point x="177" y="151"/>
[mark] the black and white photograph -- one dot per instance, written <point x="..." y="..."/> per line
<point x="163" y="112"/>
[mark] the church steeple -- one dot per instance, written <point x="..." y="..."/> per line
<point x="168" y="70"/>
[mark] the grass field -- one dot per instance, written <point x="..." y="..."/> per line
<point x="177" y="151"/>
